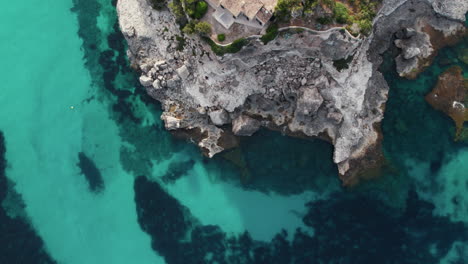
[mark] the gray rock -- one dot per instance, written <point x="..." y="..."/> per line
<point x="157" y="84"/>
<point x="219" y="117"/>
<point x="309" y="102"/>
<point x="335" y="116"/>
<point x="171" y="83"/>
<point x="145" y="67"/>
<point x="245" y="126"/>
<point x="411" y="52"/>
<point x="171" y="123"/>
<point x="146" y="81"/>
<point x="183" y="72"/>
<point x="159" y="63"/>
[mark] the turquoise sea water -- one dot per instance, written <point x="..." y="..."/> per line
<point x="91" y="175"/>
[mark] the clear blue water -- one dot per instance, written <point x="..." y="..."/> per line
<point x="89" y="175"/>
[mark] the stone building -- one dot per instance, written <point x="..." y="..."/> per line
<point x="254" y="13"/>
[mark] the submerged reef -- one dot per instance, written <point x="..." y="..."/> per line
<point x="450" y="96"/>
<point x="20" y="243"/>
<point x="91" y="172"/>
<point x="292" y="84"/>
<point x="346" y="228"/>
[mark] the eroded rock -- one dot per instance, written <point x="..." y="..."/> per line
<point x="219" y="117"/>
<point x="245" y="126"/>
<point x="290" y="84"/>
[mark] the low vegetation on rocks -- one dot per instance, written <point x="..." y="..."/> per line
<point x="201" y="28"/>
<point x="357" y="15"/>
<point x="234" y="47"/>
<point x="187" y="10"/>
<point x="271" y="33"/>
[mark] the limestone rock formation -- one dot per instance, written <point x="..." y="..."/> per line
<point x="245" y="126"/>
<point x="419" y="44"/>
<point x="290" y="84"/>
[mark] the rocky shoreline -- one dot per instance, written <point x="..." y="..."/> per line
<point x="303" y="84"/>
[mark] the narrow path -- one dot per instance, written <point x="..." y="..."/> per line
<point x="294" y="27"/>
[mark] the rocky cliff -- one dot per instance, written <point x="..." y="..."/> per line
<point x="307" y="84"/>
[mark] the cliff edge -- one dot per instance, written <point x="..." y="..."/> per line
<point x="307" y="83"/>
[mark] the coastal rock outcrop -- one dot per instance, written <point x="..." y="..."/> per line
<point x="291" y="84"/>
<point x="245" y="126"/>
<point x="420" y="44"/>
<point x="450" y="95"/>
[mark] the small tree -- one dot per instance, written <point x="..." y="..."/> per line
<point x="203" y="28"/>
<point x="178" y="11"/>
<point x="189" y="28"/>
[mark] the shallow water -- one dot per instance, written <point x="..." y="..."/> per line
<point x="68" y="91"/>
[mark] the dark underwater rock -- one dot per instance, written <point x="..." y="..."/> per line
<point x="19" y="242"/>
<point x="348" y="228"/>
<point x="177" y="170"/>
<point x="91" y="172"/>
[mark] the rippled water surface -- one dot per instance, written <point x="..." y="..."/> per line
<point x="89" y="175"/>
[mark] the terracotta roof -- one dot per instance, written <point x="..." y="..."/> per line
<point x="250" y="8"/>
<point x="234" y="6"/>
<point x="264" y="15"/>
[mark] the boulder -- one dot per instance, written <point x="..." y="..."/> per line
<point x="159" y="63"/>
<point x="157" y="84"/>
<point x="219" y="117"/>
<point x="411" y="52"/>
<point x="146" y="81"/>
<point x="145" y="67"/>
<point x="245" y="126"/>
<point x="183" y="72"/>
<point x="171" y="123"/>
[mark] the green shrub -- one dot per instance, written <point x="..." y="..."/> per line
<point x="271" y="33"/>
<point x="234" y="47"/>
<point x="189" y="28"/>
<point x="221" y="37"/>
<point x="178" y="11"/>
<point x="343" y="63"/>
<point x="180" y="43"/>
<point x="203" y="28"/>
<point x="284" y="7"/>
<point x="200" y="9"/>
<point x="324" y="20"/>
<point x="365" y="26"/>
<point x="341" y="13"/>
